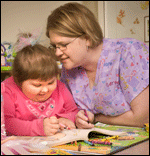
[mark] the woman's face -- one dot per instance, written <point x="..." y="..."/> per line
<point x="37" y="90"/>
<point x="75" y="53"/>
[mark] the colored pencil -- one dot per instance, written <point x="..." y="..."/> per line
<point x="88" y="142"/>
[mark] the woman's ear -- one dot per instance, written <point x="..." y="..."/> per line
<point x="88" y="42"/>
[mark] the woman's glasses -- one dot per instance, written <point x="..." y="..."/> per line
<point x="62" y="47"/>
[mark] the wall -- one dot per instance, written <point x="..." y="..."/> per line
<point x="125" y="19"/>
<point x="101" y="15"/>
<point x="93" y="6"/>
<point x="25" y="16"/>
<point x="28" y="15"/>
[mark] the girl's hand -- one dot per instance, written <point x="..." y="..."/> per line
<point x="82" y="120"/>
<point x="66" y="123"/>
<point x="51" y="126"/>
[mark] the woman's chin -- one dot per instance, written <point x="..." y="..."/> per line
<point x="69" y="65"/>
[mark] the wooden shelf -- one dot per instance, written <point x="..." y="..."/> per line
<point x="5" y="74"/>
<point x="5" y="71"/>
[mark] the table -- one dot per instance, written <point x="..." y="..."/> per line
<point x="139" y="149"/>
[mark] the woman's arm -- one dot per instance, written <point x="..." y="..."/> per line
<point x="138" y="115"/>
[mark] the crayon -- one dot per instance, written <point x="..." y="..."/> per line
<point x="102" y="142"/>
<point x="113" y="137"/>
<point x="79" y="147"/>
<point x="75" y="142"/>
<point x="86" y="115"/>
<point x="88" y="142"/>
<point x="64" y="126"/>
<point x="109" y="138"/>
<point x="126" y="138"/>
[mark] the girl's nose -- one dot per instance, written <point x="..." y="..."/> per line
<point x="44" y="89"/>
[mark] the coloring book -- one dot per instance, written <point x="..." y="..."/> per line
<point x="62" y="137"/>
<point x="63" y="142"/>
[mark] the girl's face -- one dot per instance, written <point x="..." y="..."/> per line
<point x="37" y="90"/>
<point x="75" y="53"/>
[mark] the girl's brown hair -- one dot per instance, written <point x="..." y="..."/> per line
<point x="74" y="20"/>
<point x="34" y="62"/>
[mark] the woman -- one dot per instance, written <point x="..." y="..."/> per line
<point x="107" y="77"/>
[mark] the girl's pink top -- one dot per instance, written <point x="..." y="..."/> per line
<point x="25" y="117"/>
<point x="3" y="132"/>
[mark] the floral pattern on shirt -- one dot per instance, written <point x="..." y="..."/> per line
<point x="122" y="73"/>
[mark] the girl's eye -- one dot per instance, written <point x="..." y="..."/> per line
<point x="37" y="85"/>
<point x="51" y="83"/>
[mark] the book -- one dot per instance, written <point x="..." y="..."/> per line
<point x="135" y="135"/>
<point x="80" y="134"/>
<point x="28" y="144"/>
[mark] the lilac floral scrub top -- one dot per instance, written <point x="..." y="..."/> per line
<point x="122" y="73"/>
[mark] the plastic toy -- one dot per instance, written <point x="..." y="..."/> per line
<point x="3" y="55"/>
<point x="7" y="55"/>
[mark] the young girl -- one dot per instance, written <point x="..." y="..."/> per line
<point x="36" y="102"/>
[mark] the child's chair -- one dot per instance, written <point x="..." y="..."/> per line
<point x="3" y="132"/>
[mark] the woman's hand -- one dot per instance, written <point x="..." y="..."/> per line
<point x="82" y="120"/>
<point x="66" y="123"/>
<point x="51" y="126"/>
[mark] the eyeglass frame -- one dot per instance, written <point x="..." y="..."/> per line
<point x="65" y="46"/>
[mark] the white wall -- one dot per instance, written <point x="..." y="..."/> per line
<point x="26" y="16"/>
<point x="101" y="15"/>
<point x="93" y="6"/>
<point x="132" y="10"/>
<point x="29" y="15"/>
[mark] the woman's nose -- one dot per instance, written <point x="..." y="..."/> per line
<point x="58" y="52"/>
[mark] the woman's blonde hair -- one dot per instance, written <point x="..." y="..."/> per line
<point x="73" y="20"/>
<point x="34" y="62"/>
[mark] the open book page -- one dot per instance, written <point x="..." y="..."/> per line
<point x="37" y="144"/>
<point x="82" y="134"/>
<point x="67" y="136"/>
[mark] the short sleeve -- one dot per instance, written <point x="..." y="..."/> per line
<point x="134" y="68"/>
